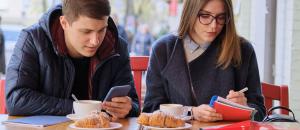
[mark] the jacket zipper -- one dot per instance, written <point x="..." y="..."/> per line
<point x="71" y="79"/>
<point x="97" y="67"/>
<point x="104" y="61"/>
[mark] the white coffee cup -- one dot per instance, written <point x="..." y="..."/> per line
<point x="85" y="107"/>
<point x="172" y="109"/>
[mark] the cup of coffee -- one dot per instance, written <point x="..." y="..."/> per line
<point x="85" y="107"/>
<point x="172" y="109"/>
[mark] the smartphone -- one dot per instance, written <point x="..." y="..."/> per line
<point x="117" y="91"/>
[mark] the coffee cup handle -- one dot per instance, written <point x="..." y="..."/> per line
<point x="73" y="112"/>
<point x="185" y="110"/>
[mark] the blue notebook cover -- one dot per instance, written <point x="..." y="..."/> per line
<point x="37" y="121"/>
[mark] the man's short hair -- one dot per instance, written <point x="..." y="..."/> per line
<point x="96" y="9"/>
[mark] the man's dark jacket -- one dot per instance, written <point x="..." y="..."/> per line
<point x="41" y="74"/>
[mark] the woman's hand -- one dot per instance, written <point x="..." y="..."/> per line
<point x="205" y="113"/>
<point x="237" y="97"/>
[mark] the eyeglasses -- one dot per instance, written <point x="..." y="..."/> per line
<point x="207" y="19"/>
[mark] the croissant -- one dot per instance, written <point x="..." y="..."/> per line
<point x="94" y="121"/>
<point x="88" y="122"/>
<point x="143" y="119"/>
<point x="104" y="120"/>
<point x="172" y="122"/>
<point x="159" y="119"/>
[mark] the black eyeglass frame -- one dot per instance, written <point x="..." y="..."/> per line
<point x="227" y="19"/>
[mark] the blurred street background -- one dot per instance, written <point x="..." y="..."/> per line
<point x="271" y="25"/>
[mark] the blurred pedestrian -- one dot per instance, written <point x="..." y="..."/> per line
<point x="142" y="41"/>
<point x="2" y="51"/>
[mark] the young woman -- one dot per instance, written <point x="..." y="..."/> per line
<point x="205" y="58"/>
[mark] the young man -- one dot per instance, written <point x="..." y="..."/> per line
<point x="74" y="49"/>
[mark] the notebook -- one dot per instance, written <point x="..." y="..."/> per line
<point x="231" y="111"/>
<point x="37" y="121"/>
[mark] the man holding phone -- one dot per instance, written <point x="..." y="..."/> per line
<point x="74" y="49"/>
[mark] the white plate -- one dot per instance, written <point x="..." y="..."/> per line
<point x="74" y="117"/>
<point x="113" y="125"/>
<point x="186" y="126"/>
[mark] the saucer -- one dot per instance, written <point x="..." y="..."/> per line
<point x="186" y="126"/>
<point x="113" y="125"/>
<point x="74" y="117"/>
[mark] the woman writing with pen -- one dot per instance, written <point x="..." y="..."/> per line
<point x="205" y="58"/>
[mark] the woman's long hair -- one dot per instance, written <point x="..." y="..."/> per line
<point x="230" y="52"/>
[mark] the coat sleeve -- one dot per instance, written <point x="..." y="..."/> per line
<point x="124" y="76"/>
<point x="23" y="87"/>
<point x="155" y="94"/>
<point x="254" y="94"/>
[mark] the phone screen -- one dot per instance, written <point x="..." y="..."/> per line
<point x="117" y="91"/>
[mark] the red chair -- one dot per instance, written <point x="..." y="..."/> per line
<point x="2" y="97"/>
<point x="139" y="64"/>
<point x="273" y="92"/>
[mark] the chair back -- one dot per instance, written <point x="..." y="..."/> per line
<point x="138" y="64"/>
<point x="2" y="97"/>
<point x="273" y="92"/>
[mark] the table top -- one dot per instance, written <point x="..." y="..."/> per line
<point x="129" y="124"/>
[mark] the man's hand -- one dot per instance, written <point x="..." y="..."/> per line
<point x="119" y="107"/>
<point x="206" y="113"/>
<point x="237" y="97"/>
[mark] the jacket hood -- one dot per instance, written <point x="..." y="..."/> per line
<point x="52" y="16"/>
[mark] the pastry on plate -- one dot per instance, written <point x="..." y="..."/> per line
<point x="173" y="122"/>
<point x="104" y="120"/>
<point x="160" y="119"/>
<point x="143" y="119"/>
<point x="157" y="119"/>
<point x="99" y="120"/>
<point x="88" y="122"/>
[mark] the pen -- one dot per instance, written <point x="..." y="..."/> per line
<point x="243" y="90"/>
